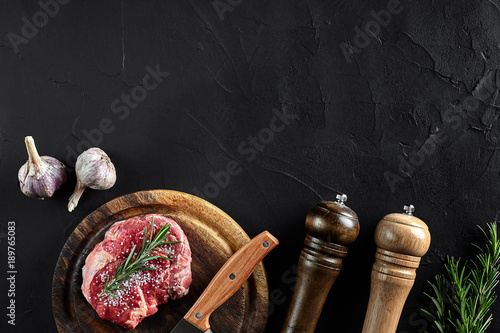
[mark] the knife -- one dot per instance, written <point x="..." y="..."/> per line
<point x="225" y="283"/>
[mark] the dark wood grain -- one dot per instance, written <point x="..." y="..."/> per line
<point x="330" y="228"/>
<point x="213" y="237"/>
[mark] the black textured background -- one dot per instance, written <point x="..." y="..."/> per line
<point x="415" y="103"/>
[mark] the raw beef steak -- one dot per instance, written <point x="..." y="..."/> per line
<point x="147" y="288"/>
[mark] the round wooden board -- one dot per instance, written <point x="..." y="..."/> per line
<point x="213" y="237"/>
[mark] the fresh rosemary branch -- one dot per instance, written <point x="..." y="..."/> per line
<point x="132" y="265"/>
<point x="464" y="296"/>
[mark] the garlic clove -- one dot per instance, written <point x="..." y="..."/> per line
<point x="40" y="176"/>
<point x="95" y="170"/>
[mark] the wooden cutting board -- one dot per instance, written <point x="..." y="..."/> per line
<point x="213" y="237"/>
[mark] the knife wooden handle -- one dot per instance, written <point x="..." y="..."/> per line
<point x="402" y="239"/>
<point x="230" y="278"/>
<point x="330" y="228"/>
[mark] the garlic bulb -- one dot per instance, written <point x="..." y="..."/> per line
<point x="39" y="177"/>
<point x="94" y="170"/>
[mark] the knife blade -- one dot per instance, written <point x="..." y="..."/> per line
<point x="225" y="283"/>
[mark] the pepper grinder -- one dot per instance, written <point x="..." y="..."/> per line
<point x="402" y="239"/>
<point x="330" y="228"/>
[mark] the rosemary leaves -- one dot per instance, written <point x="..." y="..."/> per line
<point x="133" y="264"/>
<point x="465" y="294"/>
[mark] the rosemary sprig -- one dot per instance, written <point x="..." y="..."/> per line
<point x="464" y="296"/>
<point x="132" y="265"/>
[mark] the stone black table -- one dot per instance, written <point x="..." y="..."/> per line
<point x="263" y="108"/>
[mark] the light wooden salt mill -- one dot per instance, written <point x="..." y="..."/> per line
<point x="330" y="228"/>
<point x="402" y="239"/>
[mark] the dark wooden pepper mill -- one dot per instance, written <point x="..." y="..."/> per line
<point x="330" y="228"/>
<point x="402" y="239"/>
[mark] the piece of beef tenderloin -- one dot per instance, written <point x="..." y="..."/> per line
<point x="147" y="288"/>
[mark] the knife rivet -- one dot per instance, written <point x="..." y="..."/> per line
<point x="198" y="315"/>
<point x="232" y="276"/>
<point x="265" y="244"/>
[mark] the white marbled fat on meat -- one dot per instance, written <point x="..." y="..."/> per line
<point x="145" y="289"/>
